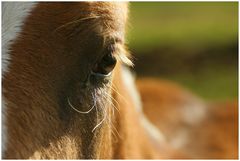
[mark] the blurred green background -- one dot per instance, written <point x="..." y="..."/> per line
<point x="192" y="43"/>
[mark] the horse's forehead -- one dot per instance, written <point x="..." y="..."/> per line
<point x="111" y="14"/>
<point x="107" y="19"/>
<point x="112" y="17"/>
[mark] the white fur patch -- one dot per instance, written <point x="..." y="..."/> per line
<point x="194" y="112"/>
<point x="13" y="17"/>
<point x="180" y="139"/>
<point x="129" y="81"/>
<point x="191" y="114"/>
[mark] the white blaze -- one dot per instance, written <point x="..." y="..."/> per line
<point x="13" y="17"/>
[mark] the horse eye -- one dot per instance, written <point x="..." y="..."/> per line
<point x="106" y="65"/>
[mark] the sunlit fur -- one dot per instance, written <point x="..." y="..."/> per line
<point x="50" y="69"/>
<point x="56" y="109"/>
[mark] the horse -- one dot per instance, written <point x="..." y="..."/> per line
<point x="68" y="92"/>
<point x="197" y="128"/>
<point x="62" y="83"/>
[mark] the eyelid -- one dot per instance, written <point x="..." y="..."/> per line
<point x="111" y="48"/>
<point x="118" y="49"/>
<point x="101" y="75"/>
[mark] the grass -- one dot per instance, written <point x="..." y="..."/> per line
<point x="184" y="24"/>
<point x="192" y="26"/>
<point x="210" y="84"/>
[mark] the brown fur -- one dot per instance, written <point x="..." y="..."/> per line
<point x="48" y="59"/>
<point x="212" y="136"/>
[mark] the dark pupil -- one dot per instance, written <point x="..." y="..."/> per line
<point x="106" y="65"/>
